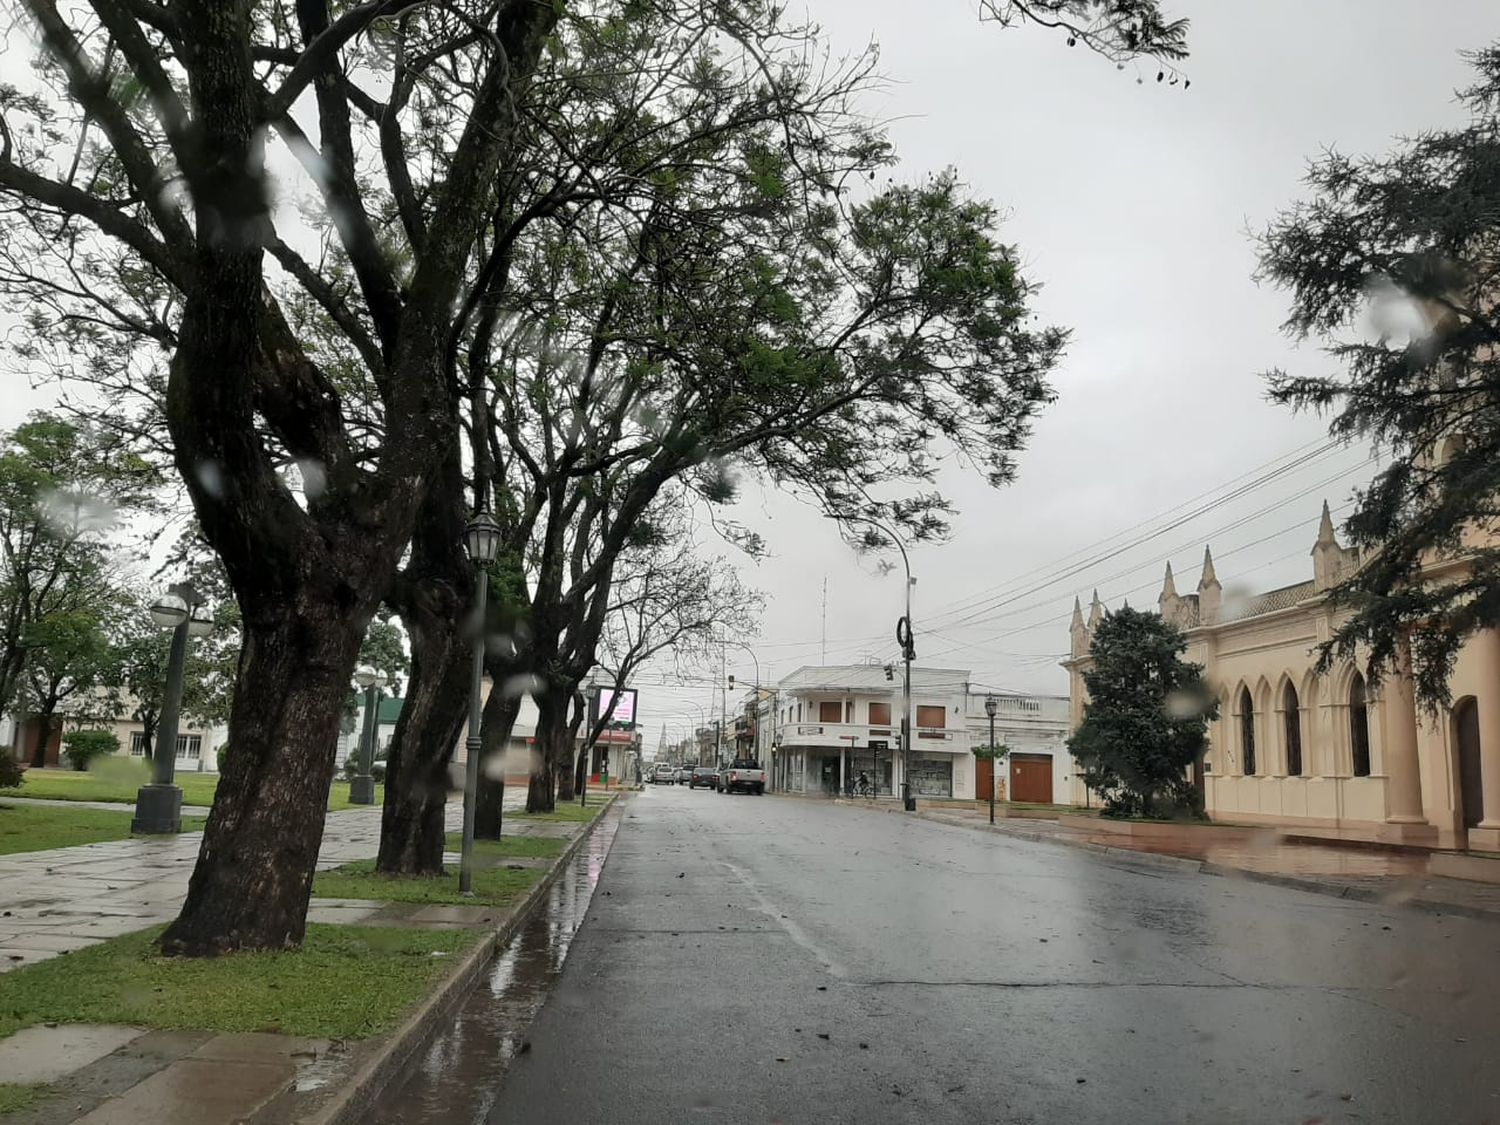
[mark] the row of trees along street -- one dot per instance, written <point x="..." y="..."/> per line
<point x="584" y="265"/>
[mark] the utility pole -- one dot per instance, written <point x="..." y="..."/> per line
<point x="908" y="653"/>
<point x="991" y="705"/>
<point x="905" y="638"/>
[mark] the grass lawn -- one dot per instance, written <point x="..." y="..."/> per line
<point x="118" y="781"/>
<point x="109" y="781"/>
<point x="495" y="886"/>
<point x="523" y="847"/>
<point x="345" y="982"/>
<point x="19" y="1095"/>
<point x="34" y="828"/>
<point x="570" y="812"/>
<point x="338" y="797"/>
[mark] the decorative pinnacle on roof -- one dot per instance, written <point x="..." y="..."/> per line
<point x="1209" y="578"/>
<point x="1326" y="537"/>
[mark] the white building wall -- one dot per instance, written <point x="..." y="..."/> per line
<point x="1028" y="724"/>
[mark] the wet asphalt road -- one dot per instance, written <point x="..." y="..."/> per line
<point x="769" y="960"/>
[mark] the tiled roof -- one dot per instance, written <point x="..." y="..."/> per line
<point x="1269" y="602"/>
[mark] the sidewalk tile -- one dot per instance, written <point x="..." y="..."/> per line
<point x="196" y="1091"/>
<point x="45" y="1054"/>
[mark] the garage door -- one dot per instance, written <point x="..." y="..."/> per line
<point x="1031" y="778"/>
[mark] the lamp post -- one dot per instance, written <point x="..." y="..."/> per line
<point x="362" y="784"/>
<point x="482" y="541"/>
<point x="158" y="805"/>
<point x="906" y="639"/>
<point x="991" y="705"/>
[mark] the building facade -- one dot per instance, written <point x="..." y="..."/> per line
<point x="1035" y="729"/>
<point x="833" y="723"/>
<point x="1331" y="753"/>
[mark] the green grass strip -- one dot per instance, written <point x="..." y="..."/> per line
<point x="493" y="886"/>
<point x="35" y="828"/>
<point x="345" y="982"/>
<point x="19" y="1095"/>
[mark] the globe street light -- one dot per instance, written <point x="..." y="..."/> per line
<point x="482" y="541"/>
<point x="362" y="784"/>
<point x="991" y="705"/>
<point x="158" y="805"/>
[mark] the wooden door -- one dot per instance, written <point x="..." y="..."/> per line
<point x="1031" y="778"/>
<point x="984" y="778"/>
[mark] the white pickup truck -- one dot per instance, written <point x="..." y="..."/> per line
<point x="743" y="775"/>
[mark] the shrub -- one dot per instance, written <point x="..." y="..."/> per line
<point x="83" y="746"/>
<point x="11" y="774"/>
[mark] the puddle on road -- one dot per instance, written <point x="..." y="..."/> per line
<point x="459" y="1076"/>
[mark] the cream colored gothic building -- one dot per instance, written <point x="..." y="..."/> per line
<point x="1321" y="753"/>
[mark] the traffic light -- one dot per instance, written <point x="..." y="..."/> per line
<point x="731" y="682"/>
<point x="890" y="672"/>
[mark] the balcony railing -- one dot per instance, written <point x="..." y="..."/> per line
<point x="860" y="735"/>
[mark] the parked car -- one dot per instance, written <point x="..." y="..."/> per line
<point x="743" y="775"/>
<point x="685" y="775"/>
<point x="705" y="776"/>
<point x="663" y="773"/>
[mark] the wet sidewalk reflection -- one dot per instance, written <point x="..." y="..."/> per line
<point x="460" y="1072"/>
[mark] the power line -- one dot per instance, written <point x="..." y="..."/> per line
<point x="1087" y="564"/>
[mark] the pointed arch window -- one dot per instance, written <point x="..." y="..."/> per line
<point x="1359" y="726"/>
<point x="1293" y="718"/>
<point x="1247" y="731"/>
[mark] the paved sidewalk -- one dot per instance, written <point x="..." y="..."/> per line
<point x="56" y="901"/>
<point x="1360" y="873"/>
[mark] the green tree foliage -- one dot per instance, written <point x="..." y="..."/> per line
<point x="1147" y="718"/>
<point x="64" y="487"/>
<point x="1393" y="266"/>
<point x="68" y="657"/>
<point x="384" y="649"/>
<point x="83" y="746"/>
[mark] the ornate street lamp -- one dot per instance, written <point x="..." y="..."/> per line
<point x="362" y="784"/>
<point x="158" y="805"/>
<point x="991" y="705"/>
<point x="482" y="541"/>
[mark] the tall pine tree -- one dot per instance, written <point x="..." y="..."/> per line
<point x="1393" y="265"/>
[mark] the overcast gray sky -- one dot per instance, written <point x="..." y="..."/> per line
<point x="1131" y="203"/>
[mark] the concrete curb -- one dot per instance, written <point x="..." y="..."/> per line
<point x="1354" y="893"/>
<point x="389" y="1064"/>
<point x="1348" y="891"/>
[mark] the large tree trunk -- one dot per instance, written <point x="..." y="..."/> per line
<point x="568" y="760"/>
<point x="551" y="735"/>
<point x="499" y="719"/>
<point x="417" y="776"/>
<point x="581" y="769"/>
<point x="433" y="596"/>
<point x="251" y="885"/>
<point x="43" y="738"/>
